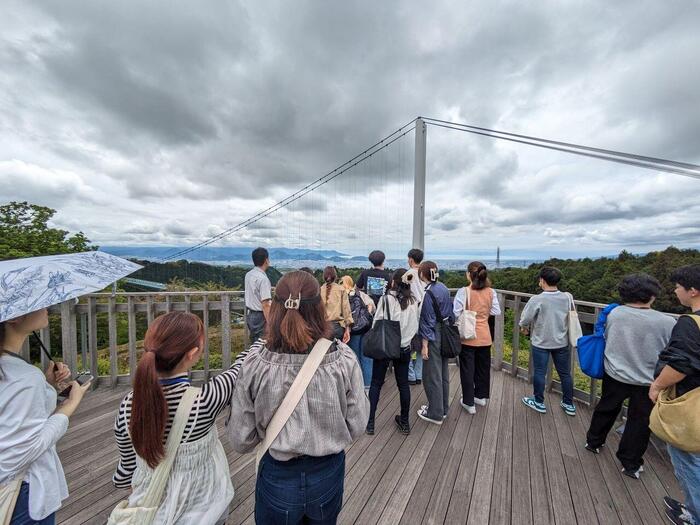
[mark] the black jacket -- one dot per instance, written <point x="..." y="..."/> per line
<point x="683" y="354"/>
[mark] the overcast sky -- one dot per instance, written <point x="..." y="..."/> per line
<point x="165" y="122"/>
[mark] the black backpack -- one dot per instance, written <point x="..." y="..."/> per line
<point x="362" y="319"/>
<point x="450" y="343"/>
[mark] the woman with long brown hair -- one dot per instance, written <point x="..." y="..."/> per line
<point x="335" y="299"/>
<point x="475" y="355"/>
<point x="300" y="477"/>
<point x="199" y="486"/>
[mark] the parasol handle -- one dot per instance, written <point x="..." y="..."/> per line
<point x="41" y="344"/>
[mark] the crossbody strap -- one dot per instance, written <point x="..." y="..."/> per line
<point x="294" y="395"/>
<point x="438" y="315"/>
<point x="156" y="487"/>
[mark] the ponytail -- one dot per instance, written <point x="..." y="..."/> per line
<point x="149" y="412"/>
<point x="295" y="331"/>
<point x="167" y="341"/>
<point x="479" y="275"/>
<point x="330" y="275"/>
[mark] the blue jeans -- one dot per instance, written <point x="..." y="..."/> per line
<point x="687" y="468"/>
<point x="562" y="362"/>
<point x="302" y="490"/>
<point x="415" y="367"/>
<point x="21" y="514"/>
<point x="365" y="362"/>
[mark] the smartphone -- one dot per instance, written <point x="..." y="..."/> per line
<point x="82" y="378"/>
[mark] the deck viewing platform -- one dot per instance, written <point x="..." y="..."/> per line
<point x="506" y="464"/>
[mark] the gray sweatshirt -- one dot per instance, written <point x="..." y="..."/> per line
<point x="546" y="315"/>
<point x="634" y="338"/>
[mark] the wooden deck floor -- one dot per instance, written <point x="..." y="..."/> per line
<point x="506" y="464"/>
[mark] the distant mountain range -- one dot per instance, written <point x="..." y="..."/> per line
<point x="228" y="254"/>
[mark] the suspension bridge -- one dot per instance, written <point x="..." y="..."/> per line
<point x="505" y="465"/>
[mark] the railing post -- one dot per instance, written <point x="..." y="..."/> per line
<point x="83" y="341"/>
<point x="499" y="333"/>
<point x="515" y="342"/>
<point x="69" y="341"/>
<point x="225" y="331"/>
<point x="205" y="321"/>
<point x="149" y="309"/>
<point x="45" y="336"/>
<point x="131" y="315"/>
<point x="112" y="329"/>
<point x="92" y="338"/>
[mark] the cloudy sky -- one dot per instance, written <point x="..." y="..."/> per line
<point x="161" y="123"/>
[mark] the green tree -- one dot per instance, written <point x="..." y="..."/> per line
<point x="24" y="232"/>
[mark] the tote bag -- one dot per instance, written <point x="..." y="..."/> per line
<point x="144" y="515"/>
<point x="383" y="341"/>
<point x="591" y="348"/>
<point x="466" y="322"/>
<point x="675" y="419"/>
<point x="9" y="492"/>
<point x="450" y="344"/>
<point x="574" y="327"/>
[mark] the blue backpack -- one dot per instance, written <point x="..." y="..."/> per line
<point x="591" y="348"/>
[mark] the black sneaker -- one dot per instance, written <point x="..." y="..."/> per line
<point x="369" y="430"/>
<point x="679" y="518"/>
<point x="632" y="473"/>
<point x="595" y="450"/>
<point x="405" y="429"/>
<point x="674" y="505"/>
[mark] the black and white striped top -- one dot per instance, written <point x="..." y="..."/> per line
<point x="214" y="397"/>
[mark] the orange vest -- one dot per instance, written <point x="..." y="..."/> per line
<point x="480" y="302"/>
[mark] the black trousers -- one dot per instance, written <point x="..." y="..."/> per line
<point x="475" y="372"/>
<point x="635" y="438"/>
<point x="379" y="368"/>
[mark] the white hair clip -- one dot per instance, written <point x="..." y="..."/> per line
<point x="407" y="278"/>
<point x="291" y="303"/>
<point x="434" y="274"/>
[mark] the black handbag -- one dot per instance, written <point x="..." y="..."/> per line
<point x="450" y="342"/>
<point x="383" y="340"/>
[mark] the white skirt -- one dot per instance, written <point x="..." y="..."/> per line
<point x="199" y="489"/>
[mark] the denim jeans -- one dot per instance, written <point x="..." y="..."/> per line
<point x="687" y="468"/>
<point x="255" y="321"/>
<point x="415" y="366"/>
<point x="21" y="514"/>
<point x="562" y="363"/>
<point x="365" y="362"/>
<point x="302" y="490"/>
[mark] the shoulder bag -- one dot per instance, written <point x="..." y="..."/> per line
<point x="383" y="340"/>
<point x="591" y="348"/>
<point x="574" y="325"/>
<point x="450" y="343"/>
<point x="144" y="514"/>
<point x="9" y="492"/>
<point x="466" y="322"/>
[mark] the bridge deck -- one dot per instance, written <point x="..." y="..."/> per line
<point x="506" y="464"/>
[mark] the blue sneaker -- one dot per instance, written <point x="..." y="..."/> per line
<point x="569" y="409"/>
<point x="534" y="405"/>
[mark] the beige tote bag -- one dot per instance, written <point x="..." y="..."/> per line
<point x="9" y="492"/>
<point x="574" y="327"/>
<point x="466" y="322"/>
<point x="144" y="515"/>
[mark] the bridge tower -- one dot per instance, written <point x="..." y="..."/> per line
<point x="419" y="186"/>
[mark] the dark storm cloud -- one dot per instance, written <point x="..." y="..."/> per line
<point x="207" y="102"/>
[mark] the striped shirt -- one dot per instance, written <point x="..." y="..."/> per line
<point x="214" y="397"/>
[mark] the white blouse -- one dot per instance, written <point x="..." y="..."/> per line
<point x="408" y="318"/>
<point x="29" y="431"/>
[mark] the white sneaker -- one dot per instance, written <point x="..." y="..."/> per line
<point x="481" y="401"/>
<point x="471" y="409"/>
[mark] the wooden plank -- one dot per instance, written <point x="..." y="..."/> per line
<point x="225" y="331"/>
<point x="562" y="503"/>
<point x="539" y="478"/>
<point x="502" y="495"/>
<point x="132" y="337"/>
<point x="112" y="329"/>
<point x="521" y="506"/>
<point x="92" y="337"/>
<point x="580" y="494"/>
<point x="499" y="330"/>
<point x="483" y="479"/>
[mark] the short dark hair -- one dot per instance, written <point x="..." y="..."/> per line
<point x="377" y="257"/>
<point x="260" y="255"/>
<point x="550" y="275"/>
<point x="638" y="288"/>
<point x="687" y="276"/>
<point x="416" y="254"/>
<point x="479" y="275"/>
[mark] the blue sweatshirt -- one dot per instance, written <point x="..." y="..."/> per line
<point x="426" y="327"/>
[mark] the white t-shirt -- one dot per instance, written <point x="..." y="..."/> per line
<point x="417" y="286"/>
